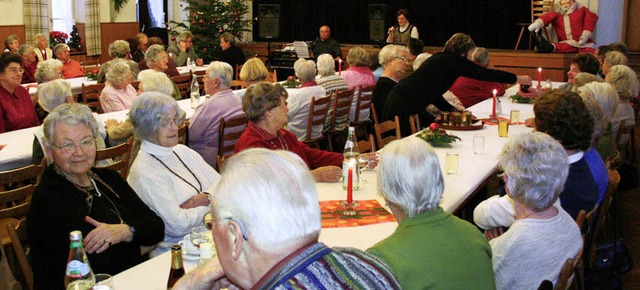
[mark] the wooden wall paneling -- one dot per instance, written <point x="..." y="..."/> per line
<point x="12" y="29"/>
<point x="632" y="29"/>
<point x="111" y="32"/>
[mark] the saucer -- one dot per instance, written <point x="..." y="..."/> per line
<point x="190" y="257"/>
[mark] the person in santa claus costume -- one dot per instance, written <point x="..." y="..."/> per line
<point x="574" y="25"/>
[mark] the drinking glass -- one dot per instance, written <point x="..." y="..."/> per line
<point x="478" y="144"/>
<point x="451" y="163"/>
<point x="103" y="282"/>
<point x="503" y="128"/>
<point x="515" y="116"/>
<point x="363" y="162"/>
<point x="199" y="236"/>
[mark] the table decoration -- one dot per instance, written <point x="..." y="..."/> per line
<point x="437" y="136"/>
<point x="517" y="98"/>
<point x="291" y="82"/>
<point x="91" y="75"/>
<point x="367" y="212"/>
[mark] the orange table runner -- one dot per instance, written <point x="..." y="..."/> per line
<point x="367" y="212"/>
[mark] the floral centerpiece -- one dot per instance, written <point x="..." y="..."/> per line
<point x="92" y="75"/>
<point x="517" y="98"/>
<point x="437" y="137"/>
<point x="291" y="82"/>
<point x="57" y="37"/>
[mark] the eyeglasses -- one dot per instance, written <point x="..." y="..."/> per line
<point x="167" y="123"/>
<point x="402" y="58"/>
<point x="70" y="147"/>
<point x="15" y="70"/>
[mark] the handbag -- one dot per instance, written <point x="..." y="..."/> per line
<point x="7" y="281"/>
<point x="612" y="260"/>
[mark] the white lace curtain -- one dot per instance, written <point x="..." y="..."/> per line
<point x="62" y="15"/>
<point x="156" y="13"/>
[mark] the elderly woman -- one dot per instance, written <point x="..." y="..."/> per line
<point x="252" y="72"/>
<point x="582" y="79"/>
<point x="266" y="107"/>
<point x="625" y="80"/>
<point x="118" y="93"/>
<point x="434" y="77"/>
<point x="16" y="107"/>
<point x="72" y="195"/>
<point x="11" y="43"/>
<point x="607" y="99"/>
<point x="157" y="60"/>
<point x="358" y="75"/>
<point x="332" y="83"/>
<point x="410" y="181"/>
<point x="29" y="63"/>
<point x="51" y="95"/>
<point x="71" y="68"/>
<point x="204" y="127"/>
<point x="299" y="101"/>
<point x="48" y="70"/>
<point x="596" y="163"/>
<point x="393" y="59"/>
<point x="43" y="52"/>
<point x="613" y="58"/>
<point x="230" y="54"/>
<point x="401" y="33"/>
<point x="118" y="50"/>
<point x="177" y="187"/>
<point x="543" y="235"/>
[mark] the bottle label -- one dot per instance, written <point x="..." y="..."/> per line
<point x="75" y="244"/>
<point x="77" y="269"/>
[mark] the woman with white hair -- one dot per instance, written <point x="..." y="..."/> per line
<point x="612" y="58"/>
<point x="605" y="95"/>
<point x="543" y="235"/>
<point x="118" y="50"/>
<point x="582" y="79"/>
<point x="118" y="93"/>
<point x="43" y="52"/>
<point x="410" y="181"/>
<point x="393" y="59"/>
<point x="171" y="178"/>
<point x="48" y="70"/>
<point x="300" y="100"/>
<point x="156" y="59"/>
<point x="625" y="80"/>
<point x="332" y="83"/>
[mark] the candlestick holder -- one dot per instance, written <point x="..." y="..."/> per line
<point x="493" y="118"/>
<point x="349" y="208"/>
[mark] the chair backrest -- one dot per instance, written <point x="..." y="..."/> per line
<point x="414" y="122"/>
<point x="363" y="104"/>
<point x="570" y="267"/>
<point x="384" y="127"/>
<point x="120" y="155"/>
<point x="228" y="133"/>
<point x="136" y="85"/>
<point x="90" y="64"/>
<point x="365" y="146"/>
<point x="183" y="133"/>
<point x="273" y="76"/>
<point x="237" y="84"/>
<point x="22" y="184"/>
<point x="238" y="69"/>
<point x="341" y="107"/>
<point x="627" y="148"/>
<point x="91" y="96"/>
<point x="603" y="210"/>
<point x="18" y="235"/>
<point x="184" y="85"/>
<point x="317" y="115"/>
<point x="539" y="7"/>
<point x="374" y="113"/>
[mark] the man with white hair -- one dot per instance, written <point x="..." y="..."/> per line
<point x="71" y="68"/>
<point x="262" y="248"/>
<point x="299" y="100"/>
<point x="223" y="103"/>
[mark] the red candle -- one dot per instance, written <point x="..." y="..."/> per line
<point x="494" y="116"/>
<point x="539" y="76"/>
<point x="340" y="67"/>
<point x="350" y="186"/>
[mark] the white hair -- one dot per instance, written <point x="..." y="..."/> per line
<point x="46" y="70"/>
<point x="420" y="59"/>
<point x="625" y="80"/>
<point x="155" y="81"/>
<point x="305" y="69"/>
<point x="389" y="52"/>
<point x="118" y="72"/>
<point x="53" y="94"/>
<point x="604" y="94"/>
<point x="278" y="203"/>
<point x="222" y="71"/>
<point x="409" y="176"/>
<point x="326" y="64"/>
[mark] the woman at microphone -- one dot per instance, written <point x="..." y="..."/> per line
<point x="401" y="33"/>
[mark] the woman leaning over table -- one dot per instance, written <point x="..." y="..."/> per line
<point x="16" y="108"/>
<point x="266" y="107"/>
<point x="169" y="177"/>
<point x="543" y="235"/>
<point x="156" y="58"/>
<point x="430" y="248"/>
<point x="118" y="50"/>
<point x="118" y="93"/>
<point x="72" y="195"/>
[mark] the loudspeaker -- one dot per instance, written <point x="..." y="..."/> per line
<point x="376" y="22"/>
<point x="268" y="21"/>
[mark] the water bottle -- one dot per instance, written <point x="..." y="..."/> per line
<point x="78" y="275"/>
<point x="350" y="162"/>
<point x="188" y="63"/>
<point x="195" y="92"/>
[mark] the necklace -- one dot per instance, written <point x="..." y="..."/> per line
<point x="176" y="174"/>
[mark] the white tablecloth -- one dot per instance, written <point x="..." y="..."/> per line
<point x="76" y="85"/>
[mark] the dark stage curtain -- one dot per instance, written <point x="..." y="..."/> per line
<point x="491" y="23"/>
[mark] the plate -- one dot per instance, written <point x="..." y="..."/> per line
<point x="190" y="257"/>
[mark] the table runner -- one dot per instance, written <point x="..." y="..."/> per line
<point x="368" y="212"/>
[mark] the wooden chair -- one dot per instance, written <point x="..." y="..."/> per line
<point x="90" y="64"/>
<point x="365" y="146"/>
<point x="363" y="104"/>
<point x="91" y="96"/>
<point x="119" y="154"/>
<point x="538" y="8"/>
<point x="238" y="69"/>
<point x="16" y="187"/>
<point x="414" y="122"/>
<point x="317" y="116"/>
<point x="184" y="85"/>
<point x="571" y="267"/>
<point x="374" y="114"/>
<point x="228" y="133"/>
<point x="273" y="76"/>
<point x="339" y="115"/>
<point x="627" y="149"/>
<point x="237" y="84"/>
<point x="384" y="127"/>
<point x="136" y="85"/>
<point x="183" y="133"/>
<point x="601" y="216"/>
<point x="18" y="236"/>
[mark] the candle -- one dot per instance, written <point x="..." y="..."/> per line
<point x="495" y="100"/>
<point x="340" y="67"/>
<point x="539" y="76"/>
<point x="350" y="185"/>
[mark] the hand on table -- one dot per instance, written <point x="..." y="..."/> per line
<point x="105" y="235"/>
<point x="197" y="200"/>
<point x="493" y="233"/>
<point x="327" y="174"/>
<point x="207" y="276"/>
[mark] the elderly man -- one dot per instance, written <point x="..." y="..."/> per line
<point x="223" y="103"/>
<point x="326" y="44"/>
<point x="43" y="52"/>
<point x="12" y="43"/>
<point x="427" y="237"/>
<point x="70" y="68"/>
<point x="262" y="248"/>
<point x="300" y="100"/>
<point x="29" y="63"/>
<point x="141" y="48"/>
<point x="184" y="49"/>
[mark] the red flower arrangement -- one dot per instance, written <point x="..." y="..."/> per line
<point x="56" y="37"/>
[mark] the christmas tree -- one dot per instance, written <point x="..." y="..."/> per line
<point x="207" y="20"/>
<point x="74" y="41"/>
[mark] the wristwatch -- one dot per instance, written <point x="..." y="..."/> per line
<point x="132" y="230"/>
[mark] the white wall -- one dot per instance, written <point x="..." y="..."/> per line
<point x="12" y="12"/>
<point x="609" y="27"/>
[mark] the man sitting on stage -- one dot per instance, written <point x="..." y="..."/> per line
<point x="574" y="36"/>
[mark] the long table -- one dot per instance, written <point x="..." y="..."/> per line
<point x="474" y="169"/>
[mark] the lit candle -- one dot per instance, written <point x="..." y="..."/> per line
<point x="539" y="76"/>
<point x="350" y="185"/>
<point x="340" y="67"/>
<point x="495" y="101"/>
